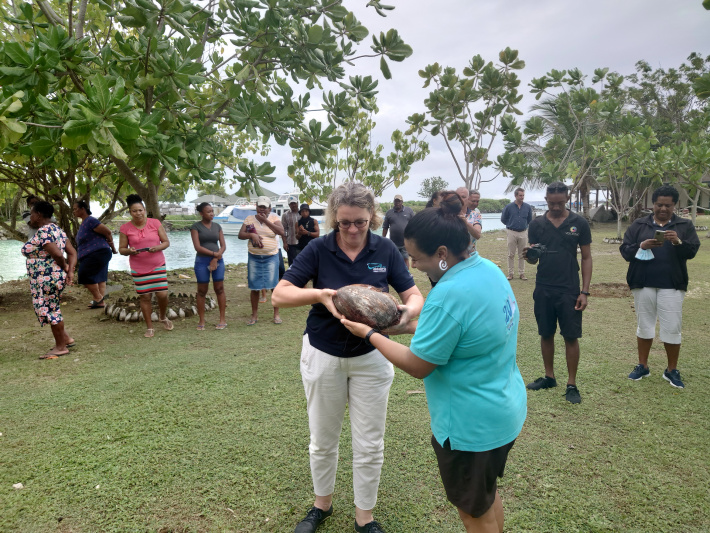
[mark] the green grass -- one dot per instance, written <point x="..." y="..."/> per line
<point x="207" y="431"/>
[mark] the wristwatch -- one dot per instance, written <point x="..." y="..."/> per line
<point x="677" y="243"/>
<point x="585" y="293"/>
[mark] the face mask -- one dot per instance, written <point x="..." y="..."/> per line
<point x="644" y="255"/>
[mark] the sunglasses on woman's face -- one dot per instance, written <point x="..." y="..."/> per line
<point x="359" y="224"/>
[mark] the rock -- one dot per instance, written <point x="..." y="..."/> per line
<point x="368" y="305"/>
<point x="18" y="486"/>
<point x="181" y="313"/>
<point x="183" y="276"/>
<point x="171" y="314"/>
<point x="194" y="310"/>
<point x="134" y="316"/>
<point x="154" y="316"/>
<point x="122" y="315"/>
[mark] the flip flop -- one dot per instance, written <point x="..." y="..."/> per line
<point x="51" y="354"/>
<point x="71" y="344"/>
<point x="96" y="305"/>
<point x="200" y="327"/>
<point x="251" y="321"/>
<point x="167" y="324"/>
<point x="149" y="332"/>
<point x="278" y="321"/>
<point x="220" y="326"/>
<point x="262" y="300"/>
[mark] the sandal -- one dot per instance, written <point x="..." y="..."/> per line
<point x="149" y="332"/>
<point x="167" y="324"/>
<point x="52" y="354"/>
<point x="200" y="327"/>
<point x="278" y="321"/>
<point x="220" y="326"/>
<point x="251" y="322"/>
<point x="97" y="305"/>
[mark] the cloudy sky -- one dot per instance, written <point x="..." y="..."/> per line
<point x="559" y="34"/>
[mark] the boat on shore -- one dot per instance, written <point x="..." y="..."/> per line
<point x="232" y="217"/>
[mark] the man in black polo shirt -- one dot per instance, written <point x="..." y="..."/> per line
<point x="557" y="295"/>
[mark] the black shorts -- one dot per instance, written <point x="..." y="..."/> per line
<point x="553" y="306"/>
<point x="471" y="478"/>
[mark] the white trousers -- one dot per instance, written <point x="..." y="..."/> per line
<point x="330" y="383"/>
<point x="664" y="305"/>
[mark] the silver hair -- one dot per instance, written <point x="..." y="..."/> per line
<point x="352" y="194"/>
<point x="474" y="191"/>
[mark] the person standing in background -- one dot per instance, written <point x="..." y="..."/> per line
<point x="397" y="218"/>
<point x="473" y="215"/>
<point x="474" y="230"/>
<point x="289" y="220"/>
<point x="517" y="217"/>
<point x="308" y="228"/>
<point x="557" y="296"/>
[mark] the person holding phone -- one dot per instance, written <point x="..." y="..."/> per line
<point x="143" y="240"/>
<point x="657" y="248"/>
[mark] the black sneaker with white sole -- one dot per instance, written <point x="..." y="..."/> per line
<point x="639" y="372"/>
<point x="673" y="377"/>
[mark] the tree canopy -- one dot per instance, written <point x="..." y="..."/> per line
<point x="98" y="97"/>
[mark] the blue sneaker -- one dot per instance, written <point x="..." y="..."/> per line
<point x="673" y="377"/>
<point x="639" y="372"/>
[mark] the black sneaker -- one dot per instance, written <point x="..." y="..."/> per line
<point x="313" y="519"/>
<point x="542" y="383"/>
<point x="639" y="372"/>
<point x="370" y="527"/>
<point x="572" y="394"/>
<point x="673" y="377"/>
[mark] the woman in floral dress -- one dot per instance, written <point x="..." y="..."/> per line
<point x="49" y="273"/>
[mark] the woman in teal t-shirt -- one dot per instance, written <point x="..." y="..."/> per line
<point x="464" y="347"/>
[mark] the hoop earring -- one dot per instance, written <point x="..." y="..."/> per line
<point x="443" y="265"/>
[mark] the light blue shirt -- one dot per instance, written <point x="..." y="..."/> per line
<point x="469" y="327"/>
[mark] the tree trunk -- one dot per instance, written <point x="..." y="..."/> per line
<point x="694" y="206"/>
<point x="618" y="226"/>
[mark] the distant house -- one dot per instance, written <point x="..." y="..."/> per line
<point x="217" y="202"/>
<point x="176" y="209"/>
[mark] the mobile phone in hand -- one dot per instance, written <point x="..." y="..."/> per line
<point x="142" y="249"/>
<point x="660" y="236"/>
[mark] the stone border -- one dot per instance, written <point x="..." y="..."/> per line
<point x="128" y="310"/>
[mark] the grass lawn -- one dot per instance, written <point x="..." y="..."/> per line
<point x="207" y="431"/>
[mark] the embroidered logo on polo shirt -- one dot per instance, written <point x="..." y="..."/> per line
<point x="572" y="231"/>
<point x="377" y="267"/>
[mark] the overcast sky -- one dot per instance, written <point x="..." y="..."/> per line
<point x="548" y="34"/>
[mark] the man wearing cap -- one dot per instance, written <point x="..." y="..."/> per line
<point x="397" y="218"/>
<point x="289" y="220"/>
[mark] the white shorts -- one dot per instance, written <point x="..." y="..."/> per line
<point x="662" y="305"/>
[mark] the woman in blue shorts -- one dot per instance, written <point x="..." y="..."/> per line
<point x="208" y="240"/>
<point x="464" y="347"/>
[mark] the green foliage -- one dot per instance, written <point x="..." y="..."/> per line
<point x="354" y="158"/>
<point x="468" y="110"/>
<point x="557" y="142"/>
<point x="431" y="185"/>
<point x="141" y="93"/>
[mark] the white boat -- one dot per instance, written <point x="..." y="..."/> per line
<point x="232" y="217"/>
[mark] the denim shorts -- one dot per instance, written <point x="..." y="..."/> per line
<point x="202" y="271"/>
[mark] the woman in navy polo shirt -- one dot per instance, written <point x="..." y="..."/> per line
<point x="337" y="367"/>
<point x="464" y="348"/>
